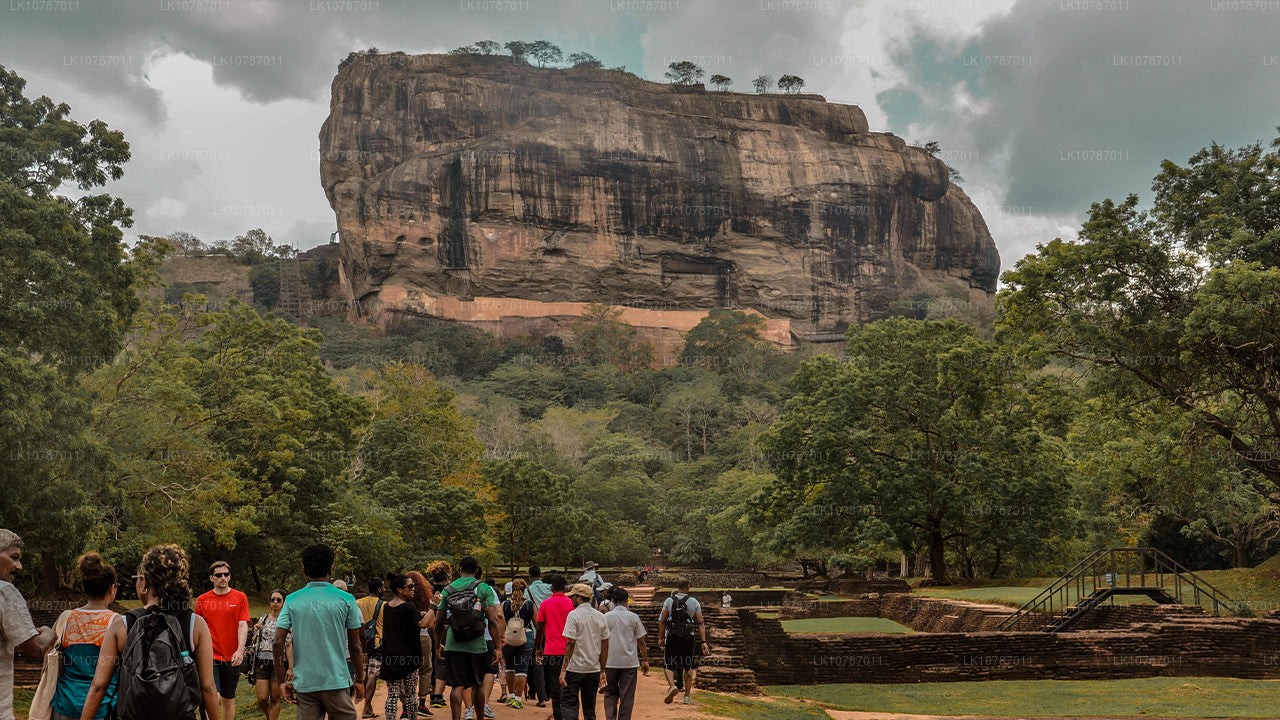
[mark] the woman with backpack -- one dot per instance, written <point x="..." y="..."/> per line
<point x="261" y="638"/>
<point x="401" y="646"/>
<point x="517" y="651"/>
<point x="164" y="651"/>
<point x="81" y="634"/>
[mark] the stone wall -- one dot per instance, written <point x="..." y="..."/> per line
<point x="1208" y="647"/>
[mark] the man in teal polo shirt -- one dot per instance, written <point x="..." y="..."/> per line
<point x="468" y="658"/>
<point x="325" y="623"/>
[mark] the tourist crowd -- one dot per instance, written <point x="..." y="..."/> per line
<point x="424" y="634"/>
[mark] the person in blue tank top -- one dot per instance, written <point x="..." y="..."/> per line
<point x="81" y="633"/>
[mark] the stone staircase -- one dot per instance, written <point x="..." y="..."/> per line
<point x="642" y="594"/>
<point x="724" y="668"/>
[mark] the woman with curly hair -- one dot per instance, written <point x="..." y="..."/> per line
<point x="440" y="573"/>
<point x="161" y="583"/>
<point x="424" y="599"/>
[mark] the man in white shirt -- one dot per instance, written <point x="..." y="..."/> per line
<point x="586" y="649"/>
<point x="627" y="652"/>
<point x="16" y="629"/>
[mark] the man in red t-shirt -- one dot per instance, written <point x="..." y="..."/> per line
<point x="551" y="641"/>
<point x="227" y="613"/>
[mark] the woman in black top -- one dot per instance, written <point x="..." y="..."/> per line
<point x="401" y="648"/>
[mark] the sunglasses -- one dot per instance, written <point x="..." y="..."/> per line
<point x="222" y="574"/>
<point x="277" y="599"/>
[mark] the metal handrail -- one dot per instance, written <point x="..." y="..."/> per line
<point x="1091" y="575"/>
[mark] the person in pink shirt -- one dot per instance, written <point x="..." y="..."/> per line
<point x="552" y="614"/>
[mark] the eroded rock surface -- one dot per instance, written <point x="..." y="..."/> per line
<point x="470" y="188"/>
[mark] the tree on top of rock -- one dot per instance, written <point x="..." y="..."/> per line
<point x="519" y="50"/>
<point x="544" y="52"/>
<point x="790" y="84"/>
<point x="762" y="84"/>
<point x="683" y="73"/>
<point x="722" y="82"/>
<point x="585" y="60"/>
<point x="487" y="47"/>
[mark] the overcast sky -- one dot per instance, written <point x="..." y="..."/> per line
<point x="1044" y="106"/>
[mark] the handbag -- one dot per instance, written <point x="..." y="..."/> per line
<point x="42" y="702"/>
<point x="251" y="650"/>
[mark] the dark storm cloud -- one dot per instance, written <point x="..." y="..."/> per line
<point x="1085" y="97"/>
<point x="269" y="50"/>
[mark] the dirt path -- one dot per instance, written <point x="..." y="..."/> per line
<point x="648" y="706"/>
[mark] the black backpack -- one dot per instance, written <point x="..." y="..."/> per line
<point x="371" y="629"/>
<point x="465" y="619"/>
<point x="681" y="622"/>
<point x="158" y="675"/>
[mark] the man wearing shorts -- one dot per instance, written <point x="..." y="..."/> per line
<point x="467" y="661"/>
<point x="226" y="611"/>
<point x="682" y="636"/>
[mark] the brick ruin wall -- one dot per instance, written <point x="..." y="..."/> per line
<point x="1181" y="647"/>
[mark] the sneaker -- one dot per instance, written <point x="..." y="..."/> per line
<point x="437" y="701"/>
<point x="423" y="709"/>
<point x="488" y="711"/>
<point x="516" y="703"/>
<point x="688" y="700"/>
<point x="671" y="694"/>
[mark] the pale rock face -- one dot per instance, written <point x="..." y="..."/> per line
<point x="472" y="189"/>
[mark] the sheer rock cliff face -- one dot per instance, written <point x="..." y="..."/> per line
<point x="473" y="189"/>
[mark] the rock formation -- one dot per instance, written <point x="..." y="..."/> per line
<point x="475" y="189"/>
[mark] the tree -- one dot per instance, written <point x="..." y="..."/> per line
<point x="1180" y="304"/>
<point x="602" y="337"/>
<point x="519" y="50"/>
<point x="585" y="60"/>
<point x="421" y="460"/>
<point x="726" y="340"/>
<point x="722" y="82"/>
<point x="920" y="425"/>
<point x="185" y="244"/>
<point x="539" y="516"/>
<point x="465" y="50"/>
<point x="762" y="84"/>
<point x="264" y="280"/>
<point x="256" y="246"/>
<point x="683" y="73"/>
<point x="544" y="52"/>
<point x="790" y="84"/>
<point x="487" y="47"/>
<point x="69" y="290"/>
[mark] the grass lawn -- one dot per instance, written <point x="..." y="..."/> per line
<point x="1001" y="595"/>
<point x="1171" y="697"/>
<point x="844" y="625"/>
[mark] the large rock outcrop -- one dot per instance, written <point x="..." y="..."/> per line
<point x="474" y="189"/>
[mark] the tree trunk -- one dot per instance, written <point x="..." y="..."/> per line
<point x="937" y="558"/>
<point x="1242" y="554"/>
<point x="257" y="582"/>
<point x="49" y="578"/>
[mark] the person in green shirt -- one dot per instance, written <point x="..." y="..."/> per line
<point x="326" y="624"/>
<point x="465" y="652"/>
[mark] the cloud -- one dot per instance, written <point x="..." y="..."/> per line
<point x="1066" y="102"/>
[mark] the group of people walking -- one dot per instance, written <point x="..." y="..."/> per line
<point x="546" y="641"/>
